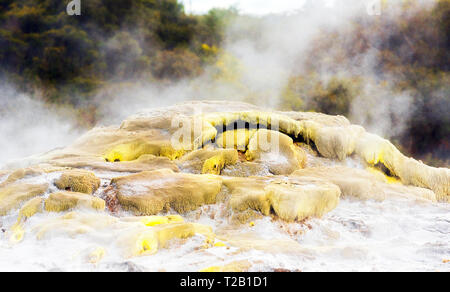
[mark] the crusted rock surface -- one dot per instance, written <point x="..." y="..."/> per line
<point x="167" y="176"/>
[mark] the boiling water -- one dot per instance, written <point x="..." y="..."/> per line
<point x="397" y="234"/>
<point x="393" y="235"/>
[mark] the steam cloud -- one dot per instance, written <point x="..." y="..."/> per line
<point x="268" y="51"/>
<point x="28" y="126"/>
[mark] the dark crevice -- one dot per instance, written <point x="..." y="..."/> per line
<point x="239" y="124"/>
<point x="385" y="170"/>
<point x="301" y="139"/>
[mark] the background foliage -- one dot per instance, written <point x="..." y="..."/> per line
<point x="69" y="59"/>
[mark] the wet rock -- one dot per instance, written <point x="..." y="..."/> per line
<point x="109" y="195"/>
<point x="12" y="195"/>
<point x="77" y="180"/>
<point x="246" y="169"/>
<point x="152" y="133"/>
<point x="276" y="150"/>
<point x="20" y="174"/>
<point x="235" y="139"/>
<point x="376" y="150"/>
<point x="135" y="149"/>
<point x="208" y="160"/>
<point x="246" y="216"/>
<point x="63" y="201"/>
<point x="355" y="183"/>
<point x="30" y="208"/>
<point x="290" y="199"/>
<point x="229" y="167"/>
<point x="151" y="192"/>
<point x="300" y="199"/>
<point x="145" y="241"/>
<point x="73" y="224"/>
<point x="362" y="184"/>
<point x="248" y="193"/>
<point x="134" y="236"/>
<point x="145" y="162"/>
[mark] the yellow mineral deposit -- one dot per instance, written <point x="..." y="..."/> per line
<point x="17" y="234"/>
<point x="132" y="151"/>
<point x="237" y="266"/>
<point x="78" y="180"/>
<point x="214" y="165"/>
<point x="96" y="255"/>
<point x="383" y="176"/>
<point x="170" y="152"/>
<point x="30" y="208"/>
<point x="147" y="240"/>
<point x="237" y="139"/>
<point x="219" y="244"/>
<point x="209" y="160"/>
<point x="138" y="242"/>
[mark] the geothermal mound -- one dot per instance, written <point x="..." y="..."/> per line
<point x="217" y="186"/>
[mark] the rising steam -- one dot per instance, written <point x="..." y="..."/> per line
<point x="258" y="56"/>
<point x="28" y="126"/>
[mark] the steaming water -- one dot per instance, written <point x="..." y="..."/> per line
<point x="398" y="234"/>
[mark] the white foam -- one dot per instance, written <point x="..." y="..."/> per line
<point x="398" y="234"/>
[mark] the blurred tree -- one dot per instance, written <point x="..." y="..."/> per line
<point x="111" y="40"/>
